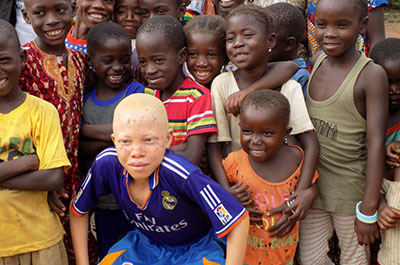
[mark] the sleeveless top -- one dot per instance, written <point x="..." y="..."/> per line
<point x="341" y="132"/>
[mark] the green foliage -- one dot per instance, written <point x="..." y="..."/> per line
<point x="394" y="3"/>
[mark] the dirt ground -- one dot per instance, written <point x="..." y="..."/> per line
<point x="392" y="23"/>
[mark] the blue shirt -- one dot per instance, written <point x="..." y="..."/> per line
<point x="302" y="75"/>
<point x="182" y="206"/>
<point x="134" y="87"/>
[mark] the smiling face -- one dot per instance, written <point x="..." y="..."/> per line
<point x="392" y="69"/>
<point x="262" y="132"/>
<point x="127" y="14"/>
<point x="92" y="12"/>
<point x="50" y="19"/>
<point x="247" y="42"/>
<point x="159" y="62"/>
<point x="11" y="61"/>
<point x="338" y="26"/>
<point x="112" y="63"/>
<point x="205" y="57"/>
<point x="151" y="8"/>
<point x="141" y="134"/>
<point x="226" y="6"/>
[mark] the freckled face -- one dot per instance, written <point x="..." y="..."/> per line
<point x="140" y="142"/>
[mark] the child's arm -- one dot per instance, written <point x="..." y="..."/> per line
<point x="375" y="87"/>
<point x="376" y="25"/>
<point x="192" y="149"/>
<point x="238" y="190"/>
<point x="97" y="132"/>
<point x="237" y="242"/>
<point x="279" y="73"/>
<point x="388" y="217"/>
<point x="39" y="180"/>
<point x="16" y="167"/>
<point x="304" y="194"/>
<point x="79" y="233"/>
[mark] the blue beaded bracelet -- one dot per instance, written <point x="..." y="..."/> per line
<point x="365" y="218"/>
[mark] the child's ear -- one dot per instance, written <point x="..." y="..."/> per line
<point x="290" y="44"/>
<point x="170" y="135"/>
<point x="363" y="26"/>
<point x="22" y="57"/>
<point x="113" y="138"/>
<point x="182" y="55"/>
<point x="88" y="60"/>
<point x="271" y="42"/>
<point x="26" y="17"/>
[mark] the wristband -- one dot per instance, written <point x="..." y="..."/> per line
<point x="367" y="219"/>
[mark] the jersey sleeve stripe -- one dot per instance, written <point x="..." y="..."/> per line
<point x="232" y="224"/>
<point x="210" y="198"/>
<point x="76" y="211"/>
<point x="206" y="199"/>
<point x="174" y="169"/>
<point x="169" y="160"/>
<point x="107" y="150"/>
<point x="213" y="193"/>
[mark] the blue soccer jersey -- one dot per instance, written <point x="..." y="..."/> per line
<point x="182" y="205"/>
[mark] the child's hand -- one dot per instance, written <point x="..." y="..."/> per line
<point x="240" y="193"/>
<point x="303" y="200"/>
<point x="255" y="216"/>
<point x="393" y="154"/>
<point x="53" y="199"/>
<point x="388" y="217"/>
<point x="366" y="233"/>
<point x="282" y="227"/>
<point x="234" y="101"/>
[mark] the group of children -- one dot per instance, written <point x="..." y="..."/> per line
<point x="149" y="106"/>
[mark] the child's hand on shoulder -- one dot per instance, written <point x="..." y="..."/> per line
<point x="234" y="101"/>
<point x="388" y="217"/>
<point x="284" y="224"/>
<point x="393" y="154"/>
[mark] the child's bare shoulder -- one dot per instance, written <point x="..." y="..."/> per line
<point x="293" y="154"/>
<point x="372" y="76"/>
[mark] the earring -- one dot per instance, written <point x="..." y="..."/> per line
<point x="285" y="141"/>
<point x="270" y="50"/>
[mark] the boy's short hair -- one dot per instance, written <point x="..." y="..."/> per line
<point x="265" y="99"/>
<point x="101" y="32"/>
<point x="289" y="22"/>
<point x="361" y="6"/>
<point x="214" y="25"/>
<point x="261" y="15"/>
<point x="8" y="31"/>
<point x="170" y="28"/>
<point x="386" y="50"/>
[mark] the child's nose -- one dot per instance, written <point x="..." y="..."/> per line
<point x="238" y="41"/>
<point x="137" y="151"/>
<point x="330" y="32"/>
<point x="99" y="4"/>
<point x="51" y="19"/>
<point x="202" y="61"/>
<point x="394" y="88"/>
<point x="117" y="67"/>
<point x="255" y="139"/>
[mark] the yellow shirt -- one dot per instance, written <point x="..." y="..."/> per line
<point x="26" y="222"/>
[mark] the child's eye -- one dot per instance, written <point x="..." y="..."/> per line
<point x="144" y="13"/>
<point x="320" y="25"/>
<point x="142" y="63"/>
<point x="60" y="10"/>
<point x="246" y="132"/>
<point x="229" y="38"/>
<point x="343" y="25"/>
<point x="111" y="2"/>
<point x="212" y="54"/>
<point x="162" y="12"/>
<point x="126" y="60"/>
<point x="148" y="140"/>
<point x="106" y="61"/>
<point x="38" y="13"/>
<point x="268" y="133"/>
<point x="159" y="61"/>
<point x="192" y="54"/>
<point x="124" y="141"/>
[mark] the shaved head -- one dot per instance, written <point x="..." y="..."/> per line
<point x="141" y="108"/>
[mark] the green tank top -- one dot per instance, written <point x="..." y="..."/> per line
<point x="341" y="132"/>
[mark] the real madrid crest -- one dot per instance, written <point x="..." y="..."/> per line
<point x="168" y="201"/>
